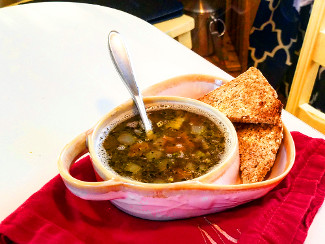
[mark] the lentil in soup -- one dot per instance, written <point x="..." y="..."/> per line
<point x="184" y="146"/>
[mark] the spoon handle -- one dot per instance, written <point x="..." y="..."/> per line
<point x="120" y="57"/>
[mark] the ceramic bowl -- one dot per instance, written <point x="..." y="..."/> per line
<point x="175" y="201"/>
<point x="149" y="200"/>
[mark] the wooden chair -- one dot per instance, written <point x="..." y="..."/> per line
<point x="312" y="55"/>
<point x="178" y="28"/>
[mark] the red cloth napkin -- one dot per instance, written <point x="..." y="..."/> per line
<point x="54" y="215"/>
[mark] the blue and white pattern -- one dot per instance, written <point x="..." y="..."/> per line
<point x="277" y="41"/>
<point x="273" y="39"/>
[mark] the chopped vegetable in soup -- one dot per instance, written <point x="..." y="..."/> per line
<point x="184" y="146"/>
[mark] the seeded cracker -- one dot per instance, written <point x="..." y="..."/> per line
<point x="258" y="146"/>
<point x="249" y="98"/>
<point x="252" y="104"/>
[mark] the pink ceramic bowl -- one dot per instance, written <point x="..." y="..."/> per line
<point x="219" y="190"/>
<point x="151" y="201"/>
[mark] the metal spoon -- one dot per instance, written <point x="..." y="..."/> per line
<point x="121" y="60"/>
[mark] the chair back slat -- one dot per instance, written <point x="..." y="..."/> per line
<point x="319" y="51"/>
<point x="312" y="55"/>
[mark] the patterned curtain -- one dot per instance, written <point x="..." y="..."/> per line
<point x="275" y="41"/>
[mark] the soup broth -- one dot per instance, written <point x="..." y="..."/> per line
<point x="184" y="146"/>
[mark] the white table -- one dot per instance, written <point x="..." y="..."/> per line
<point x="57" y="80"/>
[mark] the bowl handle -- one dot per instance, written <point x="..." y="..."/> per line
<point x="103" y="190"/>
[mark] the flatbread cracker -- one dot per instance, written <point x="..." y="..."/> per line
<point x="258" y="146"/>
<point x="249" y="98"/>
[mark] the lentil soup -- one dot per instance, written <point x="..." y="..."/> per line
<point x="184" y="146"/>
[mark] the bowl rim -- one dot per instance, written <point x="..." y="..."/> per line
<point x="216" y="171"/>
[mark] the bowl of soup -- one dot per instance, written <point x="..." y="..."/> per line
<point x="217" y="189"/>
<point x="163" y="176"/>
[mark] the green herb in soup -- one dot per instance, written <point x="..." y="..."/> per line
<point x="184" y="146"/>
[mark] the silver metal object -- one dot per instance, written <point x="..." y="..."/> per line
<point x="208" y="26"/>
<point x="122" y="63"/>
